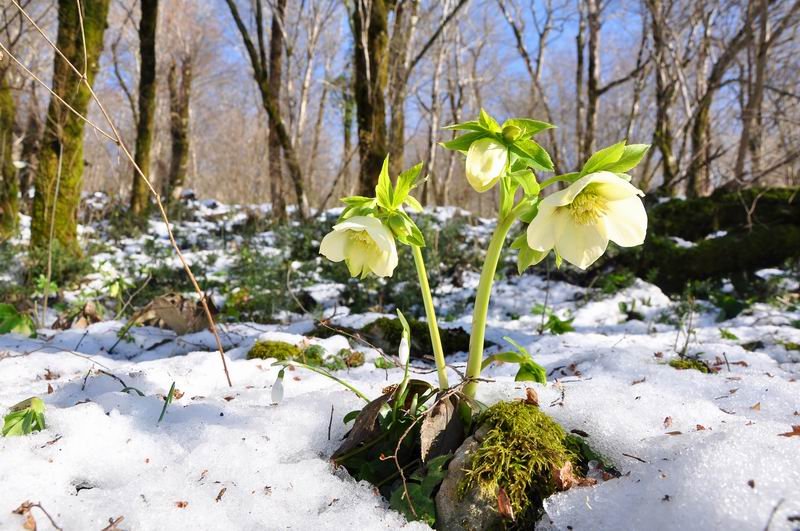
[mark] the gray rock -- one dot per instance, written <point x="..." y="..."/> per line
<point x="473" y="512"/>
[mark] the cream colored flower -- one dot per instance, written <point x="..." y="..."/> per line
<point x="364" y="243"/>
<point x="486" y="162"/>
<point x="579" y="221"/>
<point x="403" y="351"/>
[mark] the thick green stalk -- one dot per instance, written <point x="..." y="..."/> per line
<point x="430" y="313"/>
<point x="482" y="297"/>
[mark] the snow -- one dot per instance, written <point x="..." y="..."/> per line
<point x="697" y="451"/>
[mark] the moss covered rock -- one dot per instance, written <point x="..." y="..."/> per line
<point x="278" y="350"/>
<point x="518" y="449"/>
<point x="683" y="364"/>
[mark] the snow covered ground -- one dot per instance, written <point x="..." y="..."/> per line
<point x="697" y="451"/>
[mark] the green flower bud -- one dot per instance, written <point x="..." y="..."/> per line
<point x="511" y="133"/>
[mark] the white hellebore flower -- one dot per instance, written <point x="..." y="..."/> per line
<point x="364" y="243"/>
<point x="579" y="221"/>
<point x="486" y="162"/>
<point x="403" y="351"/>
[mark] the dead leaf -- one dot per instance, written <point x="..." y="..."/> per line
<point x="673" y="433"/>
<point x="504" y="505"/>
<point x="49" y="389"/>
<point x="699" y="427"/>
<point x="176" y="312"/>
<point x="658" y="354"/>
<point x="228" y="398"/>
<point x="756" y="406"/>
<point x="637" y="382"/>
<point x="365" y="426"/>
<point x="531" y="398"/>
<point x="181" y="504"/>
<point x="221" y="494"/>
<point x="565" y="478"/>
<point x="668" y="422"/>
<point x="177" y="394"/>
<point x="50" y="375"/>
<point x="751" y="483"/>
<point x="794" y="433"/>
<point x="441" y="431"/>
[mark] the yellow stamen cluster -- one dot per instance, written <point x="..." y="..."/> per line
<point x="588" y="207"/>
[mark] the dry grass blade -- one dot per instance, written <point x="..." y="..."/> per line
<point x="117" y="138"/>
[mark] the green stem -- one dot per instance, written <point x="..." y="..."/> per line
<point x="481" y="309"/>
<point x="325" y="373"/>
<point x="430" y="313"/>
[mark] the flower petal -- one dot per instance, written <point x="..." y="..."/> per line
<point x="541" y="230"/>
<point x="580" y="245"/>
<point x="486" y="161"/>
<point x="626" y="222"/>
<point x="333" y="245"/>
<point x="381" y="235"/>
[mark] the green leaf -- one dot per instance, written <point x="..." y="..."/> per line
<point x="413" y="204"/>
<point x="358" y="200"/>
<point x="352" y="415"/>
<point x="384" y="192"/>
<point x="535" y="154"/>
<point x="526" y="257"/>
<point x="631" y="156"/>
<point x="527" y="180"/>
<point x="472" y="125"/>
<point x="530" y="371"/>
<point x="488" y="122"/>
<point x="406" y="181"/>
<point x="24" y="418"/>
<point x="463" y="142"/>
<point x="603" y="159"/>
<point x="504" y="357"/>
<point x="13" y="322"/>
<point x="529" y="127"/>
<point x="167" y="402"/>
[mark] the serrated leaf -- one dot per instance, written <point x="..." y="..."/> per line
<point x="488" y="122"/>
<point x="530" y="371"/>
<point x="504" y="357"/>
<point x="472" y="125"/>
<point x="357" y="200"/>
<point x="603" y="159"/>
<point x="13" y="322"/>
<point x="631" y="156"/>
<point x="529" y="127"/>
<point x="24" y="418"/>
<point x="533" y="153"/>
<point x="526" y="257"/>
<point x="463" y="142"/>
<point x="413" y="204"/>
<point x="406" y="182"/>
<point x="527" y="180"/>
<point x="384" y="192"/>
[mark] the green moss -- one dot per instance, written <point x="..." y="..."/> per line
<point x="278" y="350"/>
<point x="521" y="448"/>
<point x="313" y="355"/>
<point x="683" y="364"/>
<point x="352" y="358"/>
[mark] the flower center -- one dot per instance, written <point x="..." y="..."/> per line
<point x="588" y="207"/>
<point x="362" y="239"/>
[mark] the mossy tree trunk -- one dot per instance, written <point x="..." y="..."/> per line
<point x="179" y="99"/>
<point x="62" y="143"/>
<point x="140" y="194"/>
<point x="370" y="33"/>
<point x="30" y="152"/>
<point x="275" y="161"/>
<point x="9" y="190"/>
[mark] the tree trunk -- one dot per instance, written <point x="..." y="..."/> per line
<point x="269" y="99"/>
<point x="275" y="71"/>
<point x="9" y="190"/>
<point x="30" y="153"/>
<point x="580" y="44"/>
<point x="63" y="136"/>
<point x="405" y="23"/>
<point x="749" y="141"/>
<point x="593" y="77"/>
<point x="179" y="99"/>
<point x="370" y="23"/>
<point x="665" y="97"/>
<point x="140" y="193"/>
